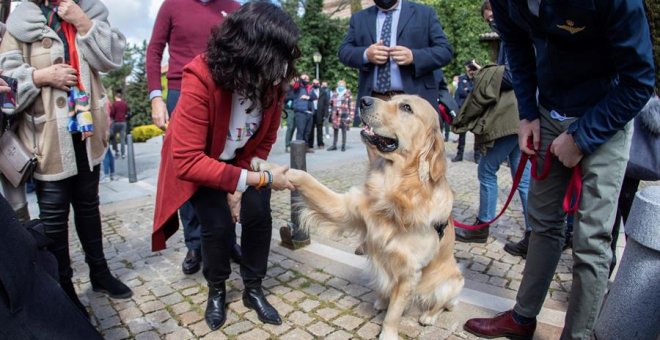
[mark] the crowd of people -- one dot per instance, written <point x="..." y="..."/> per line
<point x="312" y="108"/>
<point x="570" y="86"/>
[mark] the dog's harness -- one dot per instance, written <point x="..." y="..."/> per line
<point x="440" y="228"/>
<point x="573" y="191"/>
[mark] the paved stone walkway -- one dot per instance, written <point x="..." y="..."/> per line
<point x="318" y="297"/>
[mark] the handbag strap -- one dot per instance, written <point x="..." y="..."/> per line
<point x="28" y="59"/>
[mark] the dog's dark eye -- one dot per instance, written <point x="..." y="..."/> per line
<point x="407" y="108"/>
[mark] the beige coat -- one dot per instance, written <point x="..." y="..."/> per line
<point x="100" y="50"/>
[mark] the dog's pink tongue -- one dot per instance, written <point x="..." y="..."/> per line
<point x="368" y="129"/>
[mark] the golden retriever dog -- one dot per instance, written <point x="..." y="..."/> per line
<point x="402" y="212"/>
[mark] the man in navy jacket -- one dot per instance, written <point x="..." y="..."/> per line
<point x="396" y="45"/>
<point x="591" y="63"/>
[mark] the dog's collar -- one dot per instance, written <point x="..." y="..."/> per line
<point x="440" y="228"/>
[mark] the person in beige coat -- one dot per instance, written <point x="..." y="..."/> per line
<point x="55" y="49"/>
<point x="15" y="196"/>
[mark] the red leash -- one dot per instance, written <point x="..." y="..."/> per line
<point x="574" y="189"/>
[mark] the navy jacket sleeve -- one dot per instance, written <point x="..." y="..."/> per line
<point x="522" y="60"/>
<point x="628" y="33"/>
<point x="438" y="54"/>
<point x="349" y="53"/>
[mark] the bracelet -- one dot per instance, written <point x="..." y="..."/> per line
<point x="262" y="180"/>
<point x="270" y="178"/>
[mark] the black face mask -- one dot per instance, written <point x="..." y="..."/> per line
<point x="385" y="4"/>
<point x="316" y="86"/>
<point x="304" y="82"/>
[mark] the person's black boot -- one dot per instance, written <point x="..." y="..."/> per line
<point x="67" y="286"/>
<point x="103" y="282"/>
<point x="343" y="148"/>
<point x="458" y="158"/>
<point x="332" y="148"/>
<point x="254" y="298"/>
<point x="473" y="236"/>
<point x="518" y="248"/>
<point x="236" y="253"/>
<point x="192" y="263"/>
<point x="216" y="313"/>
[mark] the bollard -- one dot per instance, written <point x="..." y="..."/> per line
<point x="292" y="235"/>
<point x="632" y="306"/>
<point x="132" y="174"/>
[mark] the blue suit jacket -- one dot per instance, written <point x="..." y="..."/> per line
<point x="418" y="30"/>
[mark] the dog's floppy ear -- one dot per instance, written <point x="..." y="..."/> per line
<point x="432" y="159"/>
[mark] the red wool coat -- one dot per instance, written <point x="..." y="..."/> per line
<point x="193" y="143"/>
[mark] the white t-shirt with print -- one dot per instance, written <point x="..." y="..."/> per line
<point x="242" y="126"/>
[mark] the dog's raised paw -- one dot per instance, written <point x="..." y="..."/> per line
<point x="295" y="176"/>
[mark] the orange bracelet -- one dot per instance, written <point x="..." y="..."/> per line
<point x="262" y="180"/>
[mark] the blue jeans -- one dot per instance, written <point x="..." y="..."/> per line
<point x="108" y="163"/>
<point x="504" y="148"/>
<point x="192" y="230"/>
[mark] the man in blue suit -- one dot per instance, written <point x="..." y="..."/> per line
<point x="396" y="45"/>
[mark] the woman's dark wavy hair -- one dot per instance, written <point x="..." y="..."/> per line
<point x="248" y="52"/>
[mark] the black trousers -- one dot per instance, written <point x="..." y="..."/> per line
<point x="219" y="233"/>
<point x="317" y="124"/>
<point x="460" y="149"/>
<point x="82" y="192"/>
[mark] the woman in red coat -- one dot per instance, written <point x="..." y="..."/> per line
<point x="228" y="114"/>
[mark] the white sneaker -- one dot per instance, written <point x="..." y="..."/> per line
<point x="105" y="179"/>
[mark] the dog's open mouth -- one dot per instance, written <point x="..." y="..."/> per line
<point x="382" y="143"/>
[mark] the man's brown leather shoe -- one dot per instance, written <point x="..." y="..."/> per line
<point x="502" y="325"/>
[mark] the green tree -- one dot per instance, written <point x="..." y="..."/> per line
<point x="116" y="79"/>
<point x="131" y="79"/>
<point x="320" y="32"/>
<point x="136" y="89"/>
<point x="462" y="23"/>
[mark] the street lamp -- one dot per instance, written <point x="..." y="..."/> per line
<point x="317" y="60"/>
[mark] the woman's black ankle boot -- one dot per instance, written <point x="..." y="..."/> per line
<point x="216" y="313"/>
<point x="103" y="282"/>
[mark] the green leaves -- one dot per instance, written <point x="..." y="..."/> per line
<point x="320" y="32"/>
<point x="131" y="78"/>
<point x="462" y="23"/>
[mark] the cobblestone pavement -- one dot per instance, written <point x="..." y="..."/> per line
<point x="317" y="297"/>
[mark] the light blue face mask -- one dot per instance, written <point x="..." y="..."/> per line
<point x="341" y="88"/>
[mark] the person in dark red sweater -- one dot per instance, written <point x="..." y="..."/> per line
<point x="184" y="26"/>
<point x="119" y="114"/>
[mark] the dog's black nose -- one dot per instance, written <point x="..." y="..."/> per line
<point x="366" y="102"/>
